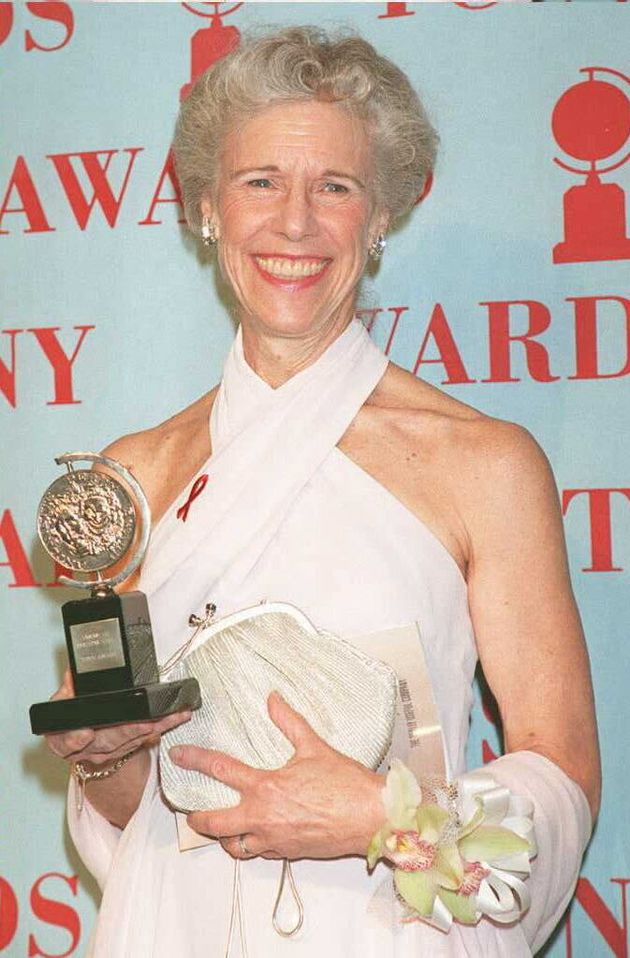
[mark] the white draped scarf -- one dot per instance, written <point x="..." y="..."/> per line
<point x="266" y="445"/>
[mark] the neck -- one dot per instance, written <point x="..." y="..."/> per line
<point x="276" y="357"/>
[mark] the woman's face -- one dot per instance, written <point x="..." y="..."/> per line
<point x="295" y="213"/>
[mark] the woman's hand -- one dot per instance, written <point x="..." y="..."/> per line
<point x="321" y="804"/>
<point x="104" y="745"/>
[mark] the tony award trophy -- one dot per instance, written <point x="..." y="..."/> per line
<point x="89" y="522"/>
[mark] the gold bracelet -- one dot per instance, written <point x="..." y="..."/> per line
<point x="83" y="775"/>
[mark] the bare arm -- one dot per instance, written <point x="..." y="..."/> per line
<point x="528" y="629"/>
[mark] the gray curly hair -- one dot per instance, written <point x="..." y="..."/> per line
<point x="304" y="63"/>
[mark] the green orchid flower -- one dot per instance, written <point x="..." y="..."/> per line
<point x="412" y="840"/>
<point x="480" y="846"/>
<point x="428" y="863"/>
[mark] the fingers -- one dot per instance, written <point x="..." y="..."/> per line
<point x="293" y="725"/>
<point x="248" y="846"/>
<point x="223" y="824"/>
<point x="227" y="822"/>
<point x="216" y="765"/>
<point x="66" y="744"/>
<point x="98" y="755"/>
<point x="66" y="689"/>
<point x="104" y="744"/>
<point x="234" y="847"/>
<point x="117" y="740"/>
<point x="167" y="723"/>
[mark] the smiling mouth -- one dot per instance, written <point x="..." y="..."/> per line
<point x="291" y="269"/>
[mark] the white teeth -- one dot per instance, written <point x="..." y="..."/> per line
<point x="290" y="268"/>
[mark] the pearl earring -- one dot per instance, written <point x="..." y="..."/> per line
<point x="375" y="249"/>
<point x="208" y="232"/>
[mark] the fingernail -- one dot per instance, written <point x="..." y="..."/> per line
<point x="176" y="753"/>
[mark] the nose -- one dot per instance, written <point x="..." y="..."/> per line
<point x="296" y="218"/>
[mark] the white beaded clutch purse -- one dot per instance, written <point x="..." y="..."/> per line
<point x="346" y="696"/>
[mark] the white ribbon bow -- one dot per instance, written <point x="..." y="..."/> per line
<point x="503" y="894"/>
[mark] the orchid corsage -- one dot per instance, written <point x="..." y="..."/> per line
<point x="459" y="851"/>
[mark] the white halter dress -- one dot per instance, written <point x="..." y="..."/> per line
<point x="286" y="516"/>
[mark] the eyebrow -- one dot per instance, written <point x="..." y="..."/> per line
<point x="254" y="169"/>
<point x="338" y="174"/>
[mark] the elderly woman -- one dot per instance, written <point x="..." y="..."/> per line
<point x="338" y="482"/>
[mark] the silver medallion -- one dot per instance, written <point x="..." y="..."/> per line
<point x="87" y="520"/>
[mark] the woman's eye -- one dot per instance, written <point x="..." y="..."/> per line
<point x="261" y="182"/>
<point x="335" y="188"/>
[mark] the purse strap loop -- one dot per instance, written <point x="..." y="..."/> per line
<point x="287" y="877"/>
<point x="237" y="918"/>
<point x="236" y="915"/>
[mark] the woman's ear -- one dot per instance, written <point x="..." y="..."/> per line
<point x="381" y="226"/>
<point x="207" y="212"/>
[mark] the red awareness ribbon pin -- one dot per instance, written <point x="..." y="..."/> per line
<point x="198" y="486"/>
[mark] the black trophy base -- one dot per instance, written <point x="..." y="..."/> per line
<point x="143" y="703"/>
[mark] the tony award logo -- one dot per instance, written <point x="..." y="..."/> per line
<point x="591" y="122"/>
<point x="210" y="43"/>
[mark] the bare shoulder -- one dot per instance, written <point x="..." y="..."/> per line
<point x="426" y="416"/>
<point x="163" y="457"/>
<point x="459" y="470"/>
